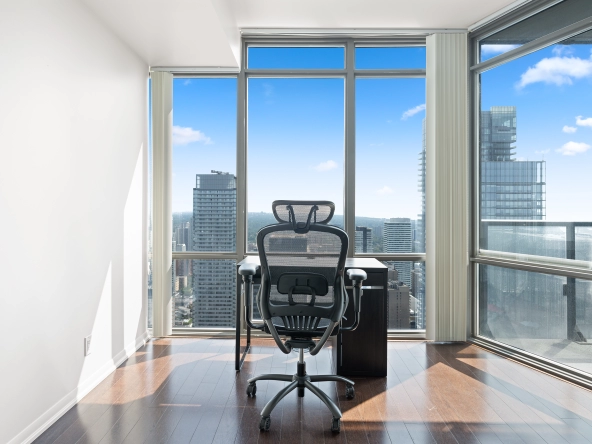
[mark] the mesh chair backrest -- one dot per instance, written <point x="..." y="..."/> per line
<point x="319" y="251"/>
<point x="302" y="213"/>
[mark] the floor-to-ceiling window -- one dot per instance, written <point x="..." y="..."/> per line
<point x="533" y="221"/>
<point x="390" y="174"/>
<point x="204" y="199"/>
<point x="320" y="119"/>
<point x="315" y="108"/>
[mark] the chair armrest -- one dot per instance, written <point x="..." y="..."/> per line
<point x="355" y="274"/>
<point x="248" y="269"/>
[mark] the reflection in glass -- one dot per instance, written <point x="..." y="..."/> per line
<point x="545" y="22"/>
<point x="547" y="315"/>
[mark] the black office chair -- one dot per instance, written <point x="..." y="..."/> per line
<point x="302" y="294"/>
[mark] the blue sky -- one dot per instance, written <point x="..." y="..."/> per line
<point x="296" y="132"/>
<point x="296" y="141"/>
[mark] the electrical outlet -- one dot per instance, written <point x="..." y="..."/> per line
<point x="87" y="345"/>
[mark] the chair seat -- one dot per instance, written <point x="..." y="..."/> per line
<point x="282" y="330"/>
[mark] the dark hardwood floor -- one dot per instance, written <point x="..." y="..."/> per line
<point x="185" y="390"/>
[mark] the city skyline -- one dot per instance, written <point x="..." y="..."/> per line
<point x="555" y="125"/>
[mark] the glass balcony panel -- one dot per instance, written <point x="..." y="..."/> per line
<point x="204" y="164"/>
<point x="548" y="315"/>
<point x="390" y="166"/>
<point x="583" y="244"/>
<point x="409" y="57"/>
<point x="204" y="293"/>
<point x="283" y="57"/>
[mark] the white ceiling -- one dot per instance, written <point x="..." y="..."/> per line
<point x="206" y="33"/>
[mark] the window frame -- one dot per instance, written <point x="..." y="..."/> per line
<point x="478" y="256"/>
<point x="349" y="74"/>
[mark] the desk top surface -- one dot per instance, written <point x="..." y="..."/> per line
<point x="351" y="262"/>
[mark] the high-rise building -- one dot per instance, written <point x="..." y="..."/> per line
<point x="398" y="238"/>
<point x="182" y="235"/>
<point x="364" y="240"/>
<point x="399" y="299"/>
<point x="399" y="315"/>
<point x="510" y="188"/>
<point x="214" y="230"/>
<point x="418" y="273"/>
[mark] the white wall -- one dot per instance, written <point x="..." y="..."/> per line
<point x="73" y="140"/>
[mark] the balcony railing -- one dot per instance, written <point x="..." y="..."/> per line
<point x="542" y="238"/>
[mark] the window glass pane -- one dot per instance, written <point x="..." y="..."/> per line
<point x="204" y="164"/>
<point x="391" y="58"/>
<point x="552" y="19"/>
<point x="539" y="313"/>
<point x="295" y="145"/>
<point x="535" y="138"/>
<point x="296" y="58"/>
<point x="204" y="293"/>
<point x="390" y="165"/>
<point x="406" y="295"/>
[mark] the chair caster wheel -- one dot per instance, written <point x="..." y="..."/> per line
<point x="350" y="391"/>
<point x="265" y="423"/>
<point x="251" y="390"/>
<point x="336" y="425"/>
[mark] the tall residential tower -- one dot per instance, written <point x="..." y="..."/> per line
<point x="214" y="230"/>
<point x="510" y="188"/>
<point x="398" y="238"/>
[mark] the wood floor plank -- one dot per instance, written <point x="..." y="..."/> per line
<point x="185" y="390"/>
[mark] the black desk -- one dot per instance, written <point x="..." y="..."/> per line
<point x="362" y="352"/>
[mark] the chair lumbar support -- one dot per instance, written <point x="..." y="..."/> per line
<point x="302" y="294"/>
<point x="301" y="381"/>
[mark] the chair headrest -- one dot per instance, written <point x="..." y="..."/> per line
<point x="302" y="213"/>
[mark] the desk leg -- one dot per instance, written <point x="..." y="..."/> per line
<point x="239" y="357"/>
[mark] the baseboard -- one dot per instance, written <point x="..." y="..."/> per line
<point x="40" y="425"/>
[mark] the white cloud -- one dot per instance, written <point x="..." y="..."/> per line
<point x="326" y="166"/>
<point x="543" y="151"/>
<point x="562" y="50"/>
<point x="497" y="49"/>
<point x="187" y="135"/>
<point x="413" y="111"/>
<point x="573" y="148"/>
<point x="583" y="122"/>
<point x="187" y="82"/>
<point x="569" y="129"/>
<point x="556" y="71"/>
<point x="268" y="89"/>
<point x="384" y="190"/>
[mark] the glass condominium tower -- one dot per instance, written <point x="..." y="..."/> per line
<point x="214" y="230"/>
<point x="510" y="189"/>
